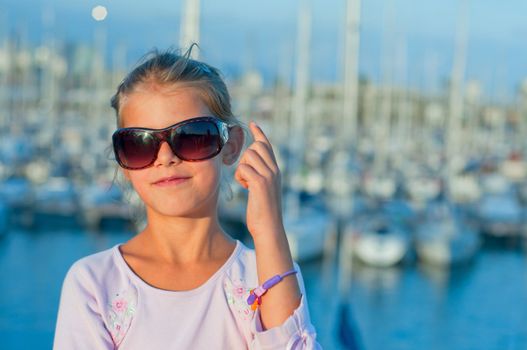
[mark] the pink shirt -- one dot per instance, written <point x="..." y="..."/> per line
<point x="105" y="305"/>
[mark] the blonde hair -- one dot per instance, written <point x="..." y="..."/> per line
<point x="170" y="69"/>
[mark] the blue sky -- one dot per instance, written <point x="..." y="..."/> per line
<point x="238" y="33"/>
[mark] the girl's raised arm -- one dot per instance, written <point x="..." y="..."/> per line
<point x="258" y="172"/>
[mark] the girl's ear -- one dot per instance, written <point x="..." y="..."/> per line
<point x="233" y="147"/>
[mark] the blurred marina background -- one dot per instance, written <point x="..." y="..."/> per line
<point x="399" y="128"/>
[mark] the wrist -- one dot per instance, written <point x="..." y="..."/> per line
<point x="255" y="298"/>
<point x="274" y="249"/>
<point x="270" y="236"/>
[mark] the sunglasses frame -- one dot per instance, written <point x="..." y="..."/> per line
<point x="161" y="135"/>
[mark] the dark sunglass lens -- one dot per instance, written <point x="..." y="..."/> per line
<point x="135" y="149"/>
<point x="196" y="141"/>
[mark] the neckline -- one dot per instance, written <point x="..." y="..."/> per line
<point x="183" y="293"/>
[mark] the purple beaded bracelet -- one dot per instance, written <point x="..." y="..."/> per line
<point x="256" y="293"/>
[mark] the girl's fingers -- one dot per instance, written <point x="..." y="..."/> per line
<point x="258" y="161"/>
<point x="265" y="152"/>
<point x="245" y="174"/>
<point x="259" y="135"/>
<point x="261" y="140"/>
<point x="255" y="160"/>
<point x="267" y="155"/>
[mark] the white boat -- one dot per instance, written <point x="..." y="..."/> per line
<point x="499" y="212"/>
<point x="379" y="187"/>
<point x="422" y="189"/>
<point x="443" y="238"/>
<point x="500" y="215"/>
<point x="464" y="189"/>
<point x="380" y="238"/>
<point x="514" y="168"/>
<point x="378" y="245"/>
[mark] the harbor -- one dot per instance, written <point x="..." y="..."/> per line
<point x="407" y="306"/>
<point x="405" y="207"/>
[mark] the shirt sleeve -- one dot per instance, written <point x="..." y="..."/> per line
<point x="79" y="323"/>
<point x="295" y="333"/>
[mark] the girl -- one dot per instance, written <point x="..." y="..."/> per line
<point x="183" y="282"/>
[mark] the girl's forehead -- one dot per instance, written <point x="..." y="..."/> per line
<point x="158" y="109"/>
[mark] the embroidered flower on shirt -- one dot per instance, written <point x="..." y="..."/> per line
<point x="120" y="304"/>
<point x="122" y="308"/>
<point x="237" y="294"/>
<point x="239" y="291"/>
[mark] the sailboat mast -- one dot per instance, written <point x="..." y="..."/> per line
<point x="349" y="124"/>
<point x="48" y="88"/>
<point x="383" y="129"/>
<point x="456" y="90"/>
<point x="189" y="31"/>
<point x="403" y="105"/>
<point x="299" y="109"/>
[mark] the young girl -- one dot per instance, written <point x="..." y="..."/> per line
<point x="183" y="282"/>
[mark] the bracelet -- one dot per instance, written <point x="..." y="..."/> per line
<point x="255" y="298"/>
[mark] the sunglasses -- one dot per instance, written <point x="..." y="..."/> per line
<point x="191" y="140"/>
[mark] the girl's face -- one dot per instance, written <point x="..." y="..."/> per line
<point x="195" y="196"/>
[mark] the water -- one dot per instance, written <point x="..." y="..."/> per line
<point x="482" y="305"/>
<point x="33" y="265"/>
<point x="479" y="306"/>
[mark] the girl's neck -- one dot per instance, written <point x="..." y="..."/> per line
<point x="184" y="241"/>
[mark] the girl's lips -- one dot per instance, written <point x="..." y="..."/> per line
<point x="172" y="182"/>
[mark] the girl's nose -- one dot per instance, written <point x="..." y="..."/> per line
<point x="165" y="156"/>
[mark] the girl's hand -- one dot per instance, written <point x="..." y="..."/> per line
<point x="258" y="172"/>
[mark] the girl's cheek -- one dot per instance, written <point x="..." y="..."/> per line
<point x="139" y="183"/>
